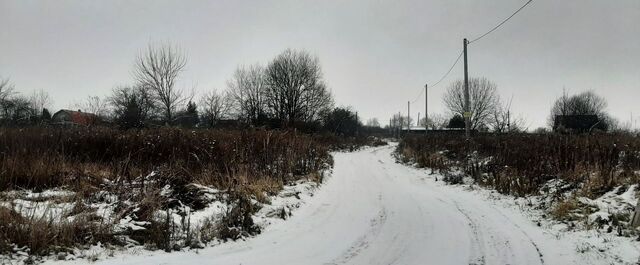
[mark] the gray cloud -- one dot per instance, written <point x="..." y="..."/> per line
<point x="376" y="55"/>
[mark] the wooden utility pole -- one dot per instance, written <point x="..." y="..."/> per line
<point x="399" y="124"/>
<point x="635" y="218"/>
<point x="408" y="116"/>
<point x="426" y="113"/>
<point x="357" y="123"/>
<point x="467" y="113"/>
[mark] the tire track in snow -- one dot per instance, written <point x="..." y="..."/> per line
<point x="363" y="242"/>
<point x="533" y="243"/>
<point x="479" y="254"/>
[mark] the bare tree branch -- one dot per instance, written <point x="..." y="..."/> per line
<point x="296" y="91"/>
<point x="158" y="68"/>
<point x="95" y="105"/>
<point x="483" y="99"/>
<point x="247" y="88"/>
<point x="215" y="106"/>
<point x="39" y="100"/>
<point x="503" y="120"/>
<point x="373" y="122"/>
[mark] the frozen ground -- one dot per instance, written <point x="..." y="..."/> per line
<point x="375" y="211"/>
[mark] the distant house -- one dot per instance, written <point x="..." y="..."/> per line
<point x="414" y="129"/>
<point x="186" y="120"/>
<point x="74" y="118"/>
<point x="421" y="130"/>
<point x="577" y="123"/>
<point x="229" y="124"/>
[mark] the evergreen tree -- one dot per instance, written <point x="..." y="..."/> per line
<point x="46" y="115"/>
<point x="131" y="117"/>
<point x="191" y="118"/>
<point x="342" y="121"/>
<point x="457" y="122"/>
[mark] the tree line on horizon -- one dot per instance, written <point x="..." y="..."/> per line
<point x="489" y="113"/>
<point x="289" y="92"/>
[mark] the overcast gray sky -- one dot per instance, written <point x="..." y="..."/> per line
<point x="376" y="55"/>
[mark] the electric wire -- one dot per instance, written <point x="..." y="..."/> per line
<point x="469" y="42"/>
<point x="504" y="21"/>
<point x="441" y="78"/>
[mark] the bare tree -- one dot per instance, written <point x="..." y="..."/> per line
<point x="373" y="122"/>
<point x="399" y="121"/>
<point x="503" y="120"/>
<point x="483" y="99"/>
<point x="436" y="121"/>
<point x="38" y="101"/>
<point x="585" y="103"/>
<point x="158" y="68"/>
<point x="6" y="92"/>
<point x="215" y="106"/>
<point x="296" y="91"/>
<point x="95" y="105"/>
<point x="6" y="89"/>
<point x="16" y="110"/>
<point x="247" y="88"/>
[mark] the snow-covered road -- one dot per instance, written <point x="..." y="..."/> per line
<point x="375" y="211"/>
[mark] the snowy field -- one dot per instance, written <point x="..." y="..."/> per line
<point x="373" y="210"/>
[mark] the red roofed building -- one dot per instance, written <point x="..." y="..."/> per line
<point x="70" y="117"/>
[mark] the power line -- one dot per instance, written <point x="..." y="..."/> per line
<point x="451" y="68"/>
<point x="469" y="42"/>
<point x="418" y="97"/>
<point x="504" y="21"/>
<point x="441" y="78"/>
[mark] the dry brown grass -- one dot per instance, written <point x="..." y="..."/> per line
<point x="43" y="236"/>
<point x="246" y="164"/>
<point x="41" y="158"/>
<point x="520" y="163"/>
<point x="564" y="210"/>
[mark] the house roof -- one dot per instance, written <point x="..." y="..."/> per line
<point x="576" y="122"/>
<point x="78" y="117"/>
<point x="413" y="128"/>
